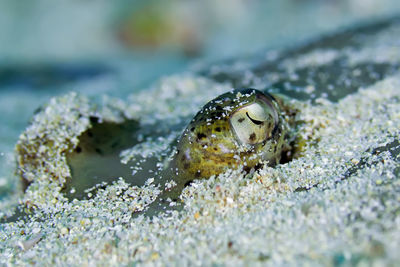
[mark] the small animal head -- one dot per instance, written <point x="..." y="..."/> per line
<point x="239" y="128"/>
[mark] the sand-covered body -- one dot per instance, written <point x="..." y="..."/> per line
<point x="224" y="136"/>
<point x="209" y="146"/>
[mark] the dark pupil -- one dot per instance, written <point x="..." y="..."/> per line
<point x="253" y="120"/>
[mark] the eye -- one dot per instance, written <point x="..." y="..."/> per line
<point x="254" y="123"/>
<point x="253" y="120"/>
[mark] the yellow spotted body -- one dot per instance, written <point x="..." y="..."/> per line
<point x="239" y="129"/>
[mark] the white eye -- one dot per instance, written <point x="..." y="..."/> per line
<point x="257" y="112"/>
<point x="254" y="123"/>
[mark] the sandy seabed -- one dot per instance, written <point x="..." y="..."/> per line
<point x="337" y="203"/>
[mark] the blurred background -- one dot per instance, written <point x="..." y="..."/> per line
<point x="118" y="47"/>
<point x="49" y="31"/>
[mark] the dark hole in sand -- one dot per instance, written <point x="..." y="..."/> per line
<point x="96" y="159"/>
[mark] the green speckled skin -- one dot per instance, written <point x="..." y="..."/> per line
<point x="208" y="146"/>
